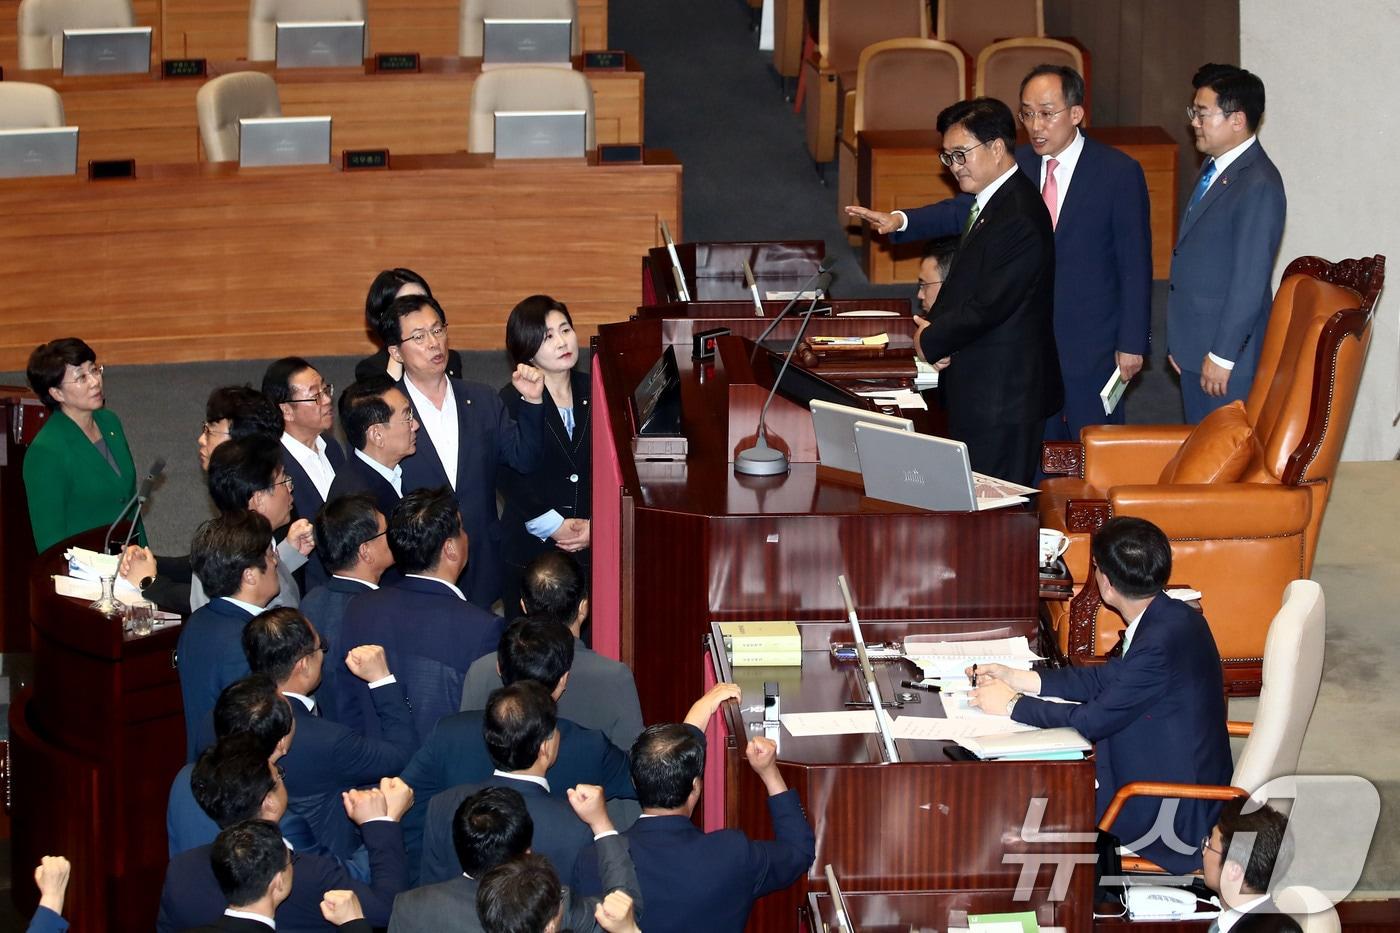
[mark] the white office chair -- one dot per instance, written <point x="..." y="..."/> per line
<point x="26" y="106"/>
<point x="264" y="15"/>
<point x="222" y="102"/>
<point x="1308" y="906"/>
<point x="41" y="24"/>
<point x="526" y="88"/>
<point x="474" y="11"/>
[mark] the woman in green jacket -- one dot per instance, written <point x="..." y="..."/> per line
<point x="78" y="472"/>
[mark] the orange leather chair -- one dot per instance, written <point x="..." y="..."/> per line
<point x="974" y="24"/>
<point x="1242" y="495"/>
<point x="1002" y="65"/>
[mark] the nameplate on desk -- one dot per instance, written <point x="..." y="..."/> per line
<point x="406" y="62"/>
<point x="605" y="61"/>
<point x="619" y="154"/>
<point x="360" y="160"/>
<point x="183" y="68"/>
<point x="103" y="169"/>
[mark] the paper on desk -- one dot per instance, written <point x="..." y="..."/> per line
<point x="1183" y="594"/>
<point x="906" y="399"/>
<point x="951" y="659"/>
<point x="126" y="594"/>
<point x="837" y="722"/>
<point x="956" y="706"/>
<point x="948" y="730"/>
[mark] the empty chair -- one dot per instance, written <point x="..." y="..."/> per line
<point x="1001" y="66"/>
<point x="974" y="24"/>
<point x="525" y="87"/>
<point x="26" y="106"/>
<point x="222" y="102"/>
<point x="474" y="11"/>
<point x="264" y="15"/>
<point x="41" y="25"/>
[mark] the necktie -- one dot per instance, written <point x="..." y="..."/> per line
<point x="1202" y="185"/>
<point x="1051" y="192"/>
<point x="971" y="218"/>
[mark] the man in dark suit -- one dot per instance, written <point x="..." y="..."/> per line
<point x="1157" y="713"/>
<point x="525" y="896"/>
<point x="1222" y="267"/>
<point x="380" y="425"/>
<point x="686" y="874"/>
<point x="1243" y="854"/>
<point x="352" y="539"/>
<point x="467" y="433"/>
<point x="429" y="630"/>
<point x="1098" y="204"/>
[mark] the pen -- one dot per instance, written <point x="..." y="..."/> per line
<point x="972" y="678"/>
<point x="931" y="688"/>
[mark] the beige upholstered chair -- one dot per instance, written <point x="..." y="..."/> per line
<point x="264" y="15"/>
<point x="41" y="25"/>
<point x="973" y="24"/>
<point x="525" y="88"/>
<point x="474" y="11"/>
<point x="1002" y="65"/>
<point x="29" y="106"/>
<point x="222" y="102"/>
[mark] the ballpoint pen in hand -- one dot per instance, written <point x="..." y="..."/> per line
<point x="972" y="678"/>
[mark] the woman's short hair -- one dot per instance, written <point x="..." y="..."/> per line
<point x="49" y="362"/>
<point x="385" y="288"/>
<point x="525" y="328"/>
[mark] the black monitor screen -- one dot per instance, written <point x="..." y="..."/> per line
<point x="657" y="399"/>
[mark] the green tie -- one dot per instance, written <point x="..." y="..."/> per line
<point x="971" y="219"/>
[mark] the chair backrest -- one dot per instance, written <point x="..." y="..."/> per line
<point x="1310" y="907"/>
<point x="525" y="87"/>
<point x="222" y="102"/>
<point x="1291" y="678"/>
<point x="848" y="26"/>
<point x="902" y="84"/>
<point x="972" y="24"/>
<point x="29" y="106"/>
<point x="1001" y="66"/>
<point x="264" y="15"/>
<point x="474" y="11"/>
<point x="41" y="24"/>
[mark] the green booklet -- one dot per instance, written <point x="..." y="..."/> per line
<point x="1023" y="922"/>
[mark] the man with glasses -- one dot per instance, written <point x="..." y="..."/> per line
<point x="382" y="430"/>
<point x="1243" y="857"/>
<point x="1222" y="267"/>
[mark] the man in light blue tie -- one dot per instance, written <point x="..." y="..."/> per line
<point x="1222" y="266"/>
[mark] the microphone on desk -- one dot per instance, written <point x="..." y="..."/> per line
<point x="143" y="492"/>
<point x="824" y="269"/>
<point x="760" y="459"/>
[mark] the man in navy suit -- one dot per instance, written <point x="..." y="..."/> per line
<point x="467" y="432"/>
<point x="686" y="874"/>
<point x="1222" y="267"/>
<point x="429" y="630"/>
<point x="1244" y="857"/>
<point x="1157" y="713"/>
<point x="352" y="539"/>
<point x="1098" y="204"/>
<point x="382" y="429"/>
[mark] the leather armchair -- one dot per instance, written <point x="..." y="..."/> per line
<point x="1241" y="540"/>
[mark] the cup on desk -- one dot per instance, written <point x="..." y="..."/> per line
<point x="1053" y="545"/>
<point x="140" y="618"/>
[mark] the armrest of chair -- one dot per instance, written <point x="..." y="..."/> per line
<point x="1086" y="516"/>
<point x="1118" y="454"/>
<point x="1062" y="458"/>
<point x="1238" y="729"/>
<point x="1165" y="789"/>
<point x="815" y="60"/>
<point x="1222" y="510"/>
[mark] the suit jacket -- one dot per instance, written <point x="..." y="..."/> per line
<point x="228" y="924"/>
<point x="325" y="607"/>
<point x="378" y="365"/>
<point x="1155" y="714"/>
<point x="46" y="921"/>
<point x="70" y="486"/>
<point x="995" y="313"/>
<point x="559" y="834"/>
<point x="430" y="637"/>
<point x="1222" y="268"/>
<point x="488" y="438"/>
<point x="191" y="896"/>
<point x="210" y="656"/>
<point x="601" y="694"/>
<point x="358" y="476"/>
<point x="289" y="561"/>
<point x="307" y="501"/>
<point x="687" y="874"/>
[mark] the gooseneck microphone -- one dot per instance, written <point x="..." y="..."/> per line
<point x="143" y="492"/>
<point x="823" y="269"/>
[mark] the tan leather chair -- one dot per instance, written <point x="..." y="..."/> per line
<point x="225" y="100"/>
<point x="901" y="84"/>
<point x="525" y="88"/>
<point x="41" y="24"/>
<point x="474" y="11"/>
<point x="264" y="15"/>
<point x="845" y="28"/>
<point x="974" y="24"/>
<point x="26" y="106"/>
<point x="1242" y="495"/>
<point x="1003" y="65"/>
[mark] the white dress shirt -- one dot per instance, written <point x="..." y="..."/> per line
<point x="364" y="583"/>
<point x="1132" y="630"/>
<point x="1235" y="914"/>
<point x="393" y="477"/>
<point x="1064" y="170"/>
<point x="451" y="586"/>
<point x="249" y="915"/>
<point x="441" y="425"/>
<point x="313" y="460"/>
<point x="246" y="607"/>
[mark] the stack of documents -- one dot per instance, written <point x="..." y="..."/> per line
<point x="949" y="660"/>
<point x="762" y="644"/>
<point x="925" y="376"/>
<point x="91" y="565"/>
<point x="1033" y="745"/>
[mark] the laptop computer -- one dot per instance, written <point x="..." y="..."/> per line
<point x="107" y="51"/>
<point x="928" y="472"/>
<point x="835" y="425"/>
<point x="527" y="42"/>
<point x="541" y="134"/>
<point x="321" y="45"/>
<point x="284" y="141"/>
<point x="28" y="153"/>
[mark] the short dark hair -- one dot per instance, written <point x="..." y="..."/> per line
<point x="385" y="288"/>
<point x="422" y="523"/>
<point x="518" y="720"/>
<point x="525" y="328"/>
<point x="277" y="381"/>
<point x="1271" y="849"/>
<point x="275" y="640"/>
<point x="538" y="649"/>
<point x="240" y="467"/>
<point x="253" y="707"/>
<point x="362" y="406"/>
<point x="388" y="325"/>
<point x="941" y="250"/>
<point x="49" y="361"/>
<point x="342" y="525"/>
<point x="231" y="779"/>
<point x="986" y="118"/>
<point x="1071" y="82"/>
<point x="226" y="546"/>
<point x="246" y="857"/>
<point x="247" y="410"/>
<point x="666" y="760"/>
<point x="490" y="827"/>
<point x="554" y="587"/>
<point x="519" y="896"/>
<point x="1236" y="90"/>
<point x="1135" y="556"/>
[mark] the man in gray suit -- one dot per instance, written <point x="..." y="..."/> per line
<point x="1222" y="267"/>
<point x="601" y="694"/>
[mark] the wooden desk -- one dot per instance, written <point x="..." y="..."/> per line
<point x="900" y="169"/>
<point x="902" y="911"/>
<point x="153" y="120"/>
<point x="207" y="261"/>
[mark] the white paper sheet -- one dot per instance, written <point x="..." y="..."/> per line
<point x="948" y="730"/>
<point x="837" y="722"/>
